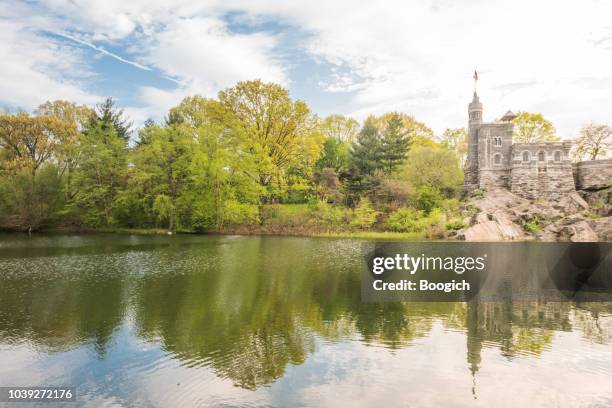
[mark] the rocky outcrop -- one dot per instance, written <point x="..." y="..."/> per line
<point x="500" y="215"/>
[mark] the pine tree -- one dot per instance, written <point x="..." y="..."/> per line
<point x="366" y="154"/>
<point x="395" y="144"/>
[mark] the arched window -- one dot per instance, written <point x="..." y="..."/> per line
<point x="498" y="141"/>
<point x="497" y="158"/>
<point x="541" y="156"/>
<point x="557" y="156"/>
<point x="525" y="156"/>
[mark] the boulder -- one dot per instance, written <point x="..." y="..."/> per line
<point x="484" y="231"/>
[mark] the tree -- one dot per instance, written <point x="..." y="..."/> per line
<point x="334" y="156"/>
<point x="162" y="170"/>
<point x="366" y="154"/>
<point x="108" y="115"/>
<point x="101" y="174"/>
<point x="595" y="141"/>
<point x="276" y="132"/>
<point x="340" y="127"/>
<point x="533" y="128"/>
<point x="410" y="125"/>
<point x="456" y="140"/>
<point x="30" y="141"/>
<point x="75" y="117"/>
<point x="396" y="142"/>
<point x="434" y="167"/>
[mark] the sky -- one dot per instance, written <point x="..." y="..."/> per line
<point x="342" y="56"/>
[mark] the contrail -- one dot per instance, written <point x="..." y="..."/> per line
<point x="103" y="51"/>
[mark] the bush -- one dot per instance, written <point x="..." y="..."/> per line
<point x="405" y="220"/>
<point x="326" y="215"/>
<point x="427" y="198"/>
<point x="455" y="224"/>
<point x="364" y="216"/>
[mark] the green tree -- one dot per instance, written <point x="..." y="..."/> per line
<point x="532" y="128"/>
<point x="334" y="156"/>
<point x="433" y="166"/>
<point x="278" y="133"/>
<point x="109" y="116"/>
<point x="395" y="143"/>
<point x="101" y="174"/>
<point x="161" y="170"/>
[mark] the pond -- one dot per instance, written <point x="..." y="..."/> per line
<point x="225" y="321"/>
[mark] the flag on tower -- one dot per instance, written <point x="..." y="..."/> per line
<point x="475" y="75"/>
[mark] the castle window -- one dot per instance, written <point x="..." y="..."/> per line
<point x="541" y="156"/>
<point x="497" y="158"/>
<point x="557" y="156"/>
<point x="525" y="156"/>
<point x="497" y="141"/>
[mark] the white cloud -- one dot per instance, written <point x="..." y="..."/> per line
<point x="418" y="57"/>
<point x="32" y="69"/>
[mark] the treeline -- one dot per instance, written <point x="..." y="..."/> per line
<point x="253" y="159"/>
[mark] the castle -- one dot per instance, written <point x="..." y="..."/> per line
<point x="531" y="170"/>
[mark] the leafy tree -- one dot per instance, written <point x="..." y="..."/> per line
<point x="101" y="174"/>
<point x="30" y="141"/>
<point x="595" y="141"/>
<point x="161" y="170"/>
<point x="109" y="116"/>
<point x="412" y="127"/>
<point x="340" y="128"/>
<point x="75" y="117"/>
<point x="456" y="140"/>
<point x="223" y="193"/>
<point x="335" y="155"/>
<point x="433" y="167"/>
<point x="276" y="132"/>
<point x="532" y="128"/>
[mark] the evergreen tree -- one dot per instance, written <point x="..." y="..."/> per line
<point x="367" y="153"/>
<point x="109" y="116"/>
<point x="395" y="144"/>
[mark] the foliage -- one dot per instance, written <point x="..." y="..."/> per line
<point x="456" y="140"/>
<point x="595" y="142"/>
<point x="334" y="156"/>
<point x="427" y="198"/>
<point x="340" y="128"/>
<point x="275" y="133"/>
<point x="101" y="175"/>
<point x="532" y="128"/>
<point x="433" y="166"/>
<point x="364" y="215"/>
<point x="108" y="117"/>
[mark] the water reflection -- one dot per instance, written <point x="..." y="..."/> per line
<point x="248" y="309"/>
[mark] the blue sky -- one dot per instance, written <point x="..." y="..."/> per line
<point x="348" y="57"/>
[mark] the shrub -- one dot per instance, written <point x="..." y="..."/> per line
<point x="427" y="198"/>
<point x="455" y="224"/>
<point x="405" y="220"/>
<point x="364" y="216"/>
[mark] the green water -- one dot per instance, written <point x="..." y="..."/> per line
<point x="275" y="321"/>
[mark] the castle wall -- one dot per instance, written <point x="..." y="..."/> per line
<point x="593" y="174"/>
<point x="494" y="154"/>
<point x="541" y="170"/>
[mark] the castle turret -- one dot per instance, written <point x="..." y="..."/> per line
<point x="471" y="166"/>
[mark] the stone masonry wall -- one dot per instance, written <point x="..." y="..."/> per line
<point x="541" y="170"/>
<point x="593" y="174"/>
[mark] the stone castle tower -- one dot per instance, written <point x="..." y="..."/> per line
<point x="531" y="170"/>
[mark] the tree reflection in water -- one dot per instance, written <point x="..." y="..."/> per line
<point x="248" y="307"/>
